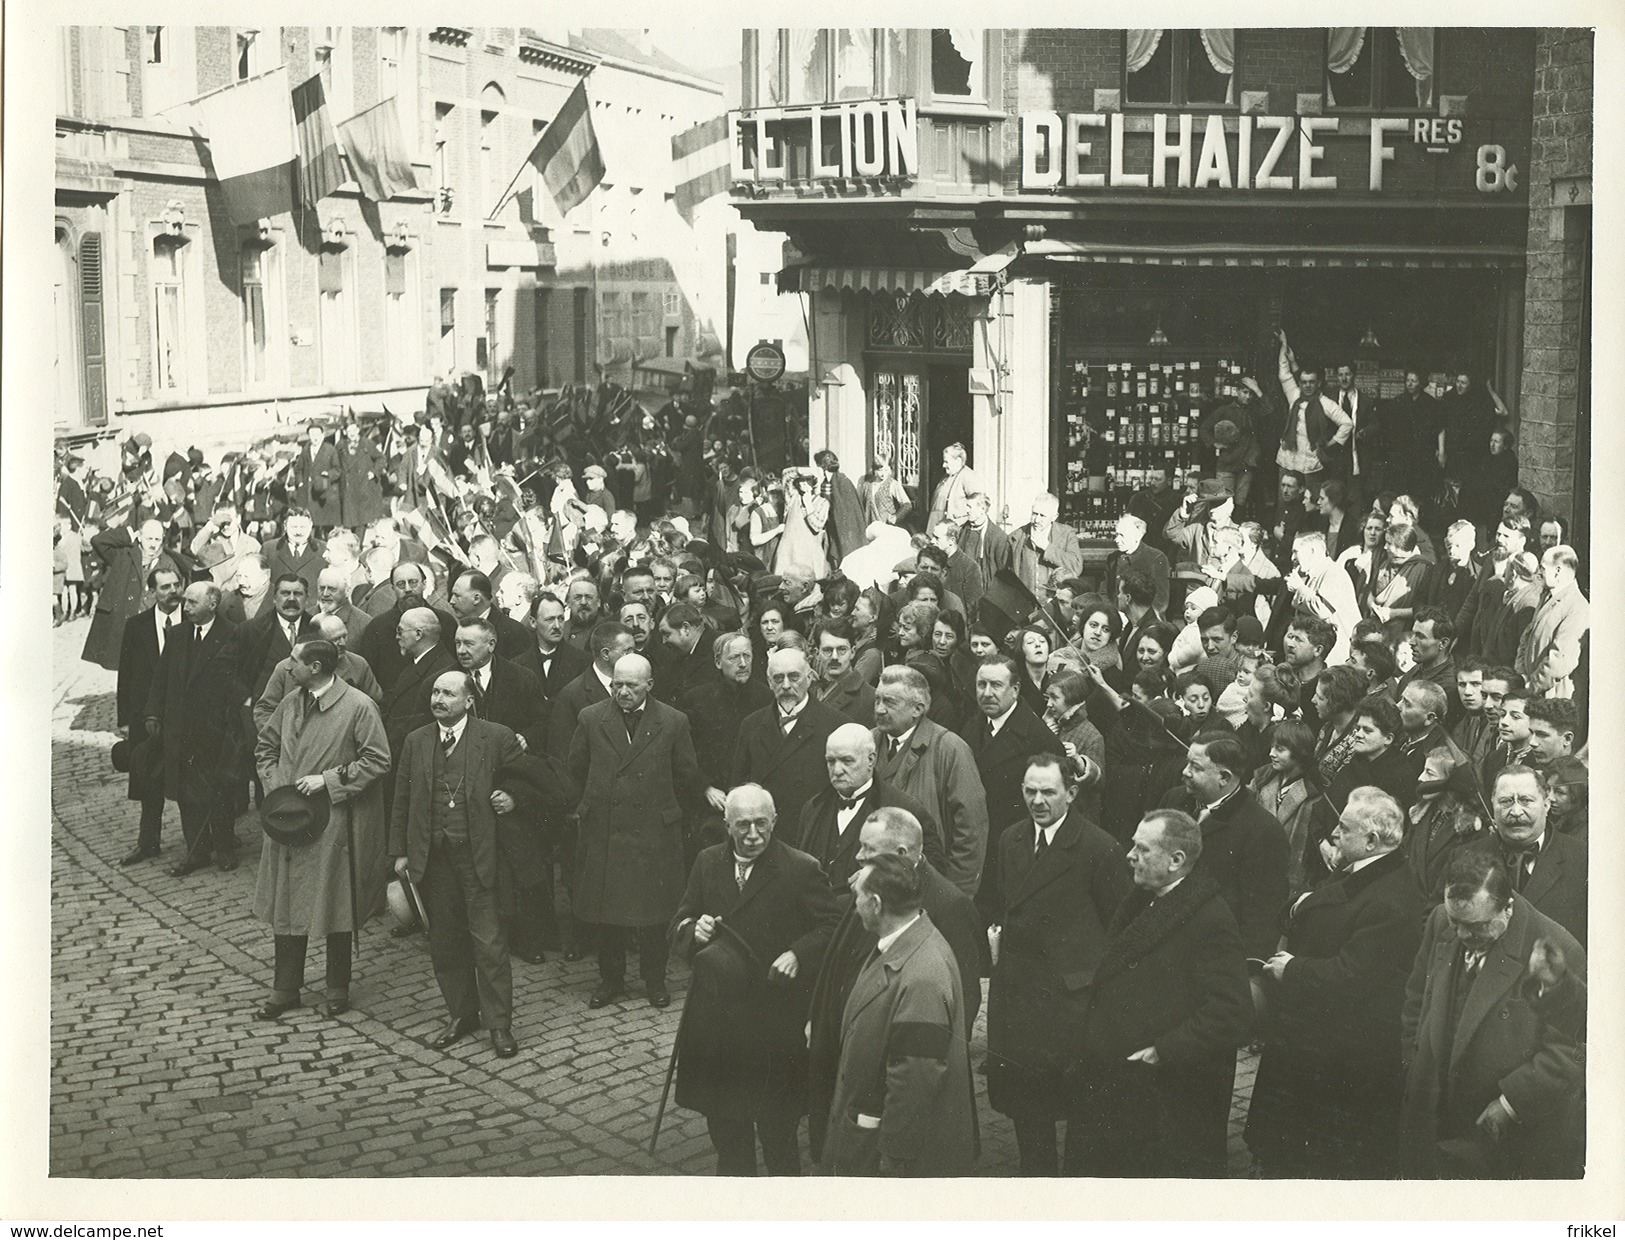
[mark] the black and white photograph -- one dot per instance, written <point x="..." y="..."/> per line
<point x="972" y="603"/>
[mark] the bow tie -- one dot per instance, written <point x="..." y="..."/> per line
<point x="852" y="802"/>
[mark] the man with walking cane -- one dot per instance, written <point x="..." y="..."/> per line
<point x="319" y="757"/>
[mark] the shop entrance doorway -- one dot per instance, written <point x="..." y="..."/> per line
<point x="948" y="421"/>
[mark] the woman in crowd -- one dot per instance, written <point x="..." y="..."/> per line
<point x="1342" y="529"/>
<point x="1067" y="717"/>
<point x="1031" y="649"/>
<point x="884" y="498"/>
<point x="804" y="544"/>
<point x="770" y="626"/>
<point x="1377" y="759"/>
<point x="927" y="588"/>
<point x="1398" y="582"/>
<point x="1098" y="626"/>
<point x="1150" y="654"/>
<point x="1337" y="693"/>
<point x="1285" y="786"/>
<point x="867" y="656"/>
<point x="1272" y="693"/>
<point x="763" y="527"/>
<point x="949" y="643"/>
<point x="1363" y="561"/>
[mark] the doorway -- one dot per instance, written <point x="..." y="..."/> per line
<point x="948" y="421"/>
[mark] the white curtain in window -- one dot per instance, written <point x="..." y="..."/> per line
<point x="806" y="77"/>
<point x="1416" y="47"/>
<point x="1221" y="53"/>
<point x="855" y="64"/>
<point x="968" y="42"/>
<point x="1343" y="47"/>
<point x="1141" y="47"/>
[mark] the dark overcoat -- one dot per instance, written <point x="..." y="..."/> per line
<point x="1244" y="851"/>
<point x="361" y="496"/>
<point x="196" y="697"/>
<point x="629" y="850"/>
<point x="1053" y="911"/>
<point x="137" y="666"/>
<point x="1326" y="1100"/>
<point x="791" y="767"/>
<point x="1173" y="977"/>
<point x="741" y="1051"/>
<point x="1501" y="1045"/>
<point x="819" y="832"/>
<point x="122" y="594"/>
<point x="1001" y="761"/>
<point x="318" y="482"/>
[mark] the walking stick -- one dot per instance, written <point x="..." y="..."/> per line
<point x="355" y="916"/>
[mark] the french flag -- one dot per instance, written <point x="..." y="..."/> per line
<point x="251" y="146"/>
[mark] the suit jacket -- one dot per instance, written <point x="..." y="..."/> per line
<point x="629" y="853"/>
<point x="955" y="917"/>
<point x="1550" y="648"/>
<point x="352" y="670"/>
<point x="564" y="665"/>
<point x="317" y="481"/>
<point x="1501" y="1045"/>
<point x="1558" y="885"/>
<point x="1146" y="559"/>
<point x="818" y="833"/>
<point x="405" y="707"/>
<point x="262" y="643"/>
<point x="491" y="746"/>
<point x="740" y="1047"/>
<point x="852" y="696"/>
<point x="584" y="691"/>
<point x="905" y="1061"/>
<point x="1001" y="761"/>
<point x="138" y="662"/>
<point x="717" y="710"/>
<point x="680" y="673"/>
<point x="790" y="767"/>
<point x="964" y="578"/>
<point x="378" y="643"/>
<point x="1042" y="570"/>
<point x="989" y="547"/>
<point x="515" y="700"/>
<point x="1053" y="910"/>
<point x="1244" y="852"/>
<point x="1326" y="1099"/>
<point x="279" y="559"/>
<point x="196" y="696"/>
<point x="938" y="770"/>
<point x="1174" y="977"/>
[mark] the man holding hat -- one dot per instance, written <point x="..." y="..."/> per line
<point x="327" y="742"/>
<point x="1234" y="446"/>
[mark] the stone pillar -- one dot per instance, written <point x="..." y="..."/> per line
<point x="1012" y="426"/>
<point x="838" y="413"/>
<point x="1552" y="408"/>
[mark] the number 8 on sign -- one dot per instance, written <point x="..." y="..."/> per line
<point x="1494" y="173"/>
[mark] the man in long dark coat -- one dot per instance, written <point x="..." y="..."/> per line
<point x="741" y="1054"/>
<point x="1168" y="1006"/>
<point x="1326" y="1101"/>
<point x="145" y="637"/>
<point x="193" y="706"/>
<point x="130" y="556"/>
<point x="317" y="479"/>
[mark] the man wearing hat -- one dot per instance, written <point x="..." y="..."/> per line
<point x="1229" y="433"/>
<point x="443" y="835"/>
<point x="1197" y="520"/>
<point x="222" y="545"/>
<point x="755" y="920"/>
<point x="327" y="742"/>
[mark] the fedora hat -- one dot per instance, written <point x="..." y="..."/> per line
<point x="1213" y="490"/>
<point x="405" y="906"/>
<point x="290" y="817"/>
<point x="142" y="758"/>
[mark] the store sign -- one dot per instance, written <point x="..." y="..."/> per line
<point x="871" y="138"/>
<point x="765" y="362"/>
<point x="1194" y="152"/>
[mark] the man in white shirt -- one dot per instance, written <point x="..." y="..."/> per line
<point x="1318" y="585"/>
<point x="142" y="648"/>
<point x="1315" y="428"/>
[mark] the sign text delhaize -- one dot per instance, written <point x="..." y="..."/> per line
<point x="870" y="138"/>
<point x="1085" y="149"/>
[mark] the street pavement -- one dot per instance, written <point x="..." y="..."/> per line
<point x="158" y="1068"/>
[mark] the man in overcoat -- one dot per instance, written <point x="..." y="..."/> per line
<point x="1326" y="1100"/>
<point x="378" y="641"/>
<point x="889" y="830"/>
<point x="142" y="647"/>
<point x="1060" y="878"/>
<point x="1002" y="736"/>
<point x="327" y="741"/>
<point x="781" y="746"/>
<point x="634" y="760"/>
<point x="755" y="920"/>
<point x="1493" y="1088"/>
<point x="902" y="1105"/>
<point x="130" y="556"/>
<point x="1168" y="1006"/>
<point x="317" y="480"/>
<point x="297" y="551"/>
<point x="193" y="706"/>
<point x="443" y="833"/>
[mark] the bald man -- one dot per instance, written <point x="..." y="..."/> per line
<point x="830" y="821"/>
<point x="742" y="1060"/>
<point x="352" y="670"/>
<point x="379" y="642"/>
<point x="634" y="758"/>
<point x="781" y="746"/>
<point x="405" y="704"/>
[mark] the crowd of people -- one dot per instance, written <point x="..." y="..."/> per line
<point x="583" y="679"/>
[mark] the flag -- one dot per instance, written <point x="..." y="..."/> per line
<point x="377" y="152"/>
<point x="567" y="154"/>
<point x="320" y="170"/>
<point x="249" y="128"/>
<point x="701" y="160"/>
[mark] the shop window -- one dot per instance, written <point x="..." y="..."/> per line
<point x="959" y="63"/>
<point x="1380" y="68"/>
<point x="1179" y="68"/>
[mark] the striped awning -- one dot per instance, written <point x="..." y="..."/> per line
<point x="1239" y="254"/>
<point x="892" y="280"/>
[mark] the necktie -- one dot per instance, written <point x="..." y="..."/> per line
<point x="479" y="691"/>
<point x="1042" y="846"/>
<point x="741" y="873"/>
<point x="1471" y="963"/>
<point x="786" y="722"/>
<point x="632" y="717"/>
<point x="448" y="741"/>
<point x="310" y="700"/>
<point x="893" y="744"/>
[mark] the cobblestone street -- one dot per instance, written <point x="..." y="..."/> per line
<point x="159" y="1070"/>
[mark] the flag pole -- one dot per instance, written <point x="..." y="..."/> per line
<point x="209" y="94"/>
<point x="503" y="200"/>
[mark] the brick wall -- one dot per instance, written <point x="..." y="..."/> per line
<point x="1559" y="237"/>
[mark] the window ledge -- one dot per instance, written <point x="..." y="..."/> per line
<point x="960" y="111"/>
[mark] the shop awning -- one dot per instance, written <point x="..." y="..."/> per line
<point x="1239" y="254"/>
<point x="886" y="280"/>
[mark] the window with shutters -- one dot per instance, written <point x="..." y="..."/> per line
<point x="66" y="292"/>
